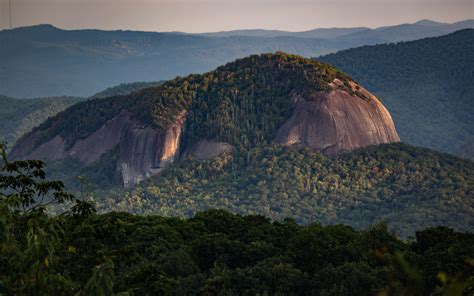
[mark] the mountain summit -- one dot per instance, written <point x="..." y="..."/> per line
<point x="255" y="101"/>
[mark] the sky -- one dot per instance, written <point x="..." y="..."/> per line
<point x="222" y="15"/>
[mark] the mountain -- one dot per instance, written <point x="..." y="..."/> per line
<point x="19" y="116"/>
<point x="42" y="60"/>
<point x="273" y="134"/>
<point x="406" y="32"/>
<point x="251" y="102"/>
<point x="426" y="84"/>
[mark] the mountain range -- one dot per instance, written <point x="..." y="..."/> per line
<point x="42" y="61"/>
<point x="386" y="34"/>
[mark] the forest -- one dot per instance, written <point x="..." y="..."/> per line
<point x="80" y="252"/>
<point x="243" y="103"/>
<point x="423" y="84"/>
<point x="408" y="187"/>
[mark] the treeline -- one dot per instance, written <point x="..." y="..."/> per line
<point x="218" y="253"/>
<point x="213" y="253"/>
<point x="125" y="89"/>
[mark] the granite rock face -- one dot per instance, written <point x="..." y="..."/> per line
<point x="205" y="149"/>
<point x="338" y="121"/>
<point x="143" y="151"/>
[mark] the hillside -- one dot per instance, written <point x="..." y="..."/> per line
<point x="252" y="102"/>
<point x="410" y="188"/>
<point x="19" y="116"/>
<point x="44" y="61"/>
<point x="124" y="89"/>
<point x="426" y="85"/>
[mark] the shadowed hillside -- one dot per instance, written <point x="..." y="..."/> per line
<point x="426" y="85"/>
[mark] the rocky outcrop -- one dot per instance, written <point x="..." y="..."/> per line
<point x="143" y="151"/>
<point x="146" y="151"/>
<point x="337" y="121"/>
<point x="205" y="149"/>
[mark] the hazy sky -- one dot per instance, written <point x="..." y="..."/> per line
<point x="218" y="15"/>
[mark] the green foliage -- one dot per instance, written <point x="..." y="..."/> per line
<point x="218" y="253"/>
<point x="410" y="188"/>
<point x="213" y="253"/>
<point x="243" y="102"/>
<point x="102" y="174"/>
<point x="19" y="116"/>
<point x="425" y="84"/>
<point x="30" y="240"/>
<point x="125" y="89"/>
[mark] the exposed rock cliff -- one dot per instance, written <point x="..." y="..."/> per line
<point x="143" y="151"/>
<point x="338" y="121"/>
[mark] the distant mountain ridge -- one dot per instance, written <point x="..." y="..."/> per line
<point x="406" y="32"/>
<point x="41" y="61"/>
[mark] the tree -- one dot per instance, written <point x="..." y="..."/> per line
<point x="29" y="238"/>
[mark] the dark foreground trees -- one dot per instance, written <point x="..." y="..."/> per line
<point x="214" y="253"/>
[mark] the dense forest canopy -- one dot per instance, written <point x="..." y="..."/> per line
<point x="426" y="84"/>
<point x="410" y="188"/>
<point x="213" y="253"/>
